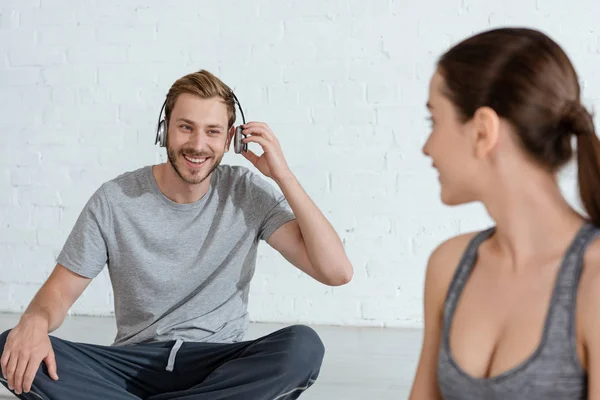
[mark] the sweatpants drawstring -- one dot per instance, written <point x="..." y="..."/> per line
<point x="173" y="353"/>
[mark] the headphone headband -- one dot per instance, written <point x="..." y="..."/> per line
<point x="239" y="107"/>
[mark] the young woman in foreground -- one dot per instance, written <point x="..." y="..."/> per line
<point x="512" y="312"/>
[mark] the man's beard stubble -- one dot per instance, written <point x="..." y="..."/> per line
<point x="193" y="178"/>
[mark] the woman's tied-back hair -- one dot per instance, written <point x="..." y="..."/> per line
<point x="529" y="81"/>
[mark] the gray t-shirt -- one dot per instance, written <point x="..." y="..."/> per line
<point x="178" y="271"/>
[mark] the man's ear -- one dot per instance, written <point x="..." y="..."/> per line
<point x="229" y="137"/>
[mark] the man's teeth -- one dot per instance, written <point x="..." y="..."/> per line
<point x="195" y="160"/>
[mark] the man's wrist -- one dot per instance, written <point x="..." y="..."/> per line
<point x="285" y="178"/>
<point x="41" y="318"/>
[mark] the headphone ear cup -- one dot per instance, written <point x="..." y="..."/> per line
<point x="238" y="145"/>
<point x="161" y="134"/>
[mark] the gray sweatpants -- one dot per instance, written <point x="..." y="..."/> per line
<point x="277" y="366"/>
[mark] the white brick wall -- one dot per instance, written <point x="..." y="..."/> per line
<point x="342" y="83"/>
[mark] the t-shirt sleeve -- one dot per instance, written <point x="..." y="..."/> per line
<point x="274" y="208"/>
<point x="85" y="251"/>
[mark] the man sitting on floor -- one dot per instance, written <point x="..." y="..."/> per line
<point x="180" y="242"/>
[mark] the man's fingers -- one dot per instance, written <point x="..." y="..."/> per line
<point x="29" y="375"/>
<point x="10" y="371"/>
<point x="258" y="131"/>
<point x="256" y="139"/>
<point x="50" y="361"/>
<point x="251" y="156"/>
<point x="256" y="123"/>
<point x="19" y="374"/>
<point x="4" y="362"/>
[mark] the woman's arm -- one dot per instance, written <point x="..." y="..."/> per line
<point x="441" y="267"/>
<point x="588" y="318"/>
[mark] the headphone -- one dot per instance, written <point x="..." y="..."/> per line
<point x="162" y="129"/>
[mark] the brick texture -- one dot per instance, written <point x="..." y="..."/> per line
<point x="342" y="83"/>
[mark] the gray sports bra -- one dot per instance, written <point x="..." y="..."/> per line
<point x="553" y="371"/>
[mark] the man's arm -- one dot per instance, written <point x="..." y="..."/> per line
<point x="310" y="243"/>
<point x="28" y="344"/>
<point x="85" y="253"/>
<point x="54" y="299"/>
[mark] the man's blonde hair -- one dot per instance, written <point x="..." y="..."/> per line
<point x="204" y="85"/>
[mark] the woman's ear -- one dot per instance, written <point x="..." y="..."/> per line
<point x="486" y="131"/>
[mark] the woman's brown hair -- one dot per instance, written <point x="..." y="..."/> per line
<point x="529" y="81"/>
